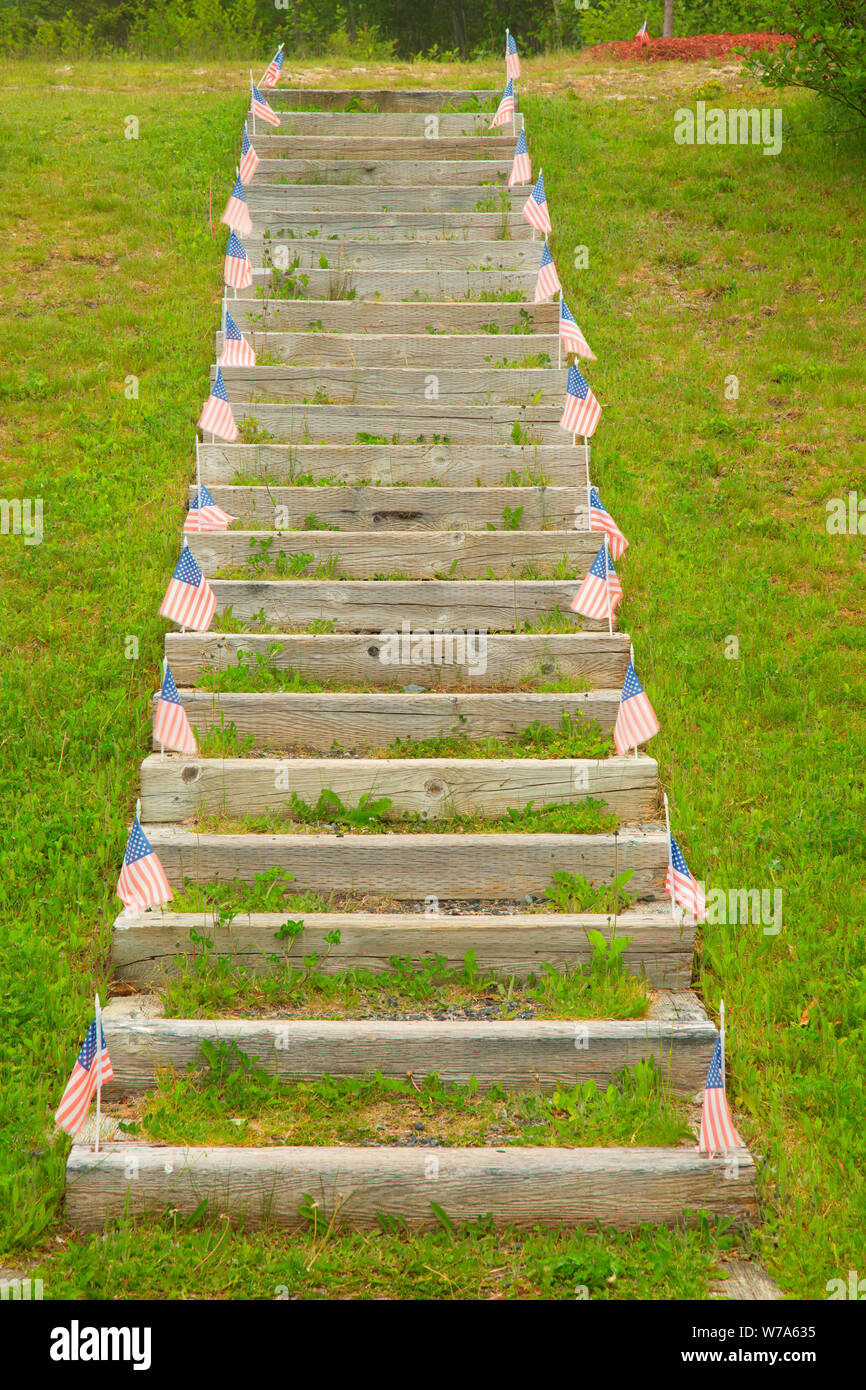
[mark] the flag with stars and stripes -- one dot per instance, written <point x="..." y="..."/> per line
<point x="236" y="350"/>
<point x="236" y="267"/>
<point x="547" y="283"/>
<point x="260" y="107"/>
<point x="274" y="68"/>
<point x="142" y="881"/>
<point x="204" y="514"/>
<point x="92" y="1068"/>
<point x="683" y="887"/>
<point x="601" y="520"/>
<point x="237" y="215"/>
<point x="582" y="411"/>
<point x="635" y="719"/>
<point x="249" y="162"/>
<point x="718" y="1134"/>
<point x="216" y="414"/>
<point x="189" y="599"/>
<point x="521" y="169"/>
<point x="591" y="599"/>
<point x="572" y="338"/>
<point x="535" y="208"/>
<point x="505" y="109"/>
<point x="171" y="727"/>
<point x="512" y="57"/>
<point x="642" y="35"/>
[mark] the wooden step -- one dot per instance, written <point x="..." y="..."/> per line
<point x="429" y="351"/>
<point x="397" y="388"/>
<point x="355" y="1187"/>
<point x="373" y="124"/>
<point x="402" y="508"/>
<point x="383" y="99"/>
<point x="447" y="196"/>
<point x="177" y="788"/>
<point x="365" y="147"/>
<point x="382" y="174"/>
<point x="364" y="554"/>
<point x="410" y="867"/>
<point x="397" y="285"/>
<point x="405" y="424"/>
<point x="415" y="256"/>
<point x="357" y="605"/>
<point x="150" y="948"/>
<point x="375" y="225"/>
<point x="516" y="1053"/>
<point x="476" y="466"/>
<point x="353" y="316"/>
<point x="512" y="659"/>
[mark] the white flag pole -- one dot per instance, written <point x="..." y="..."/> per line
<point x="631" y="657"/>
<point x="588" y="488"/>
<point x="98" y="1016"/>
<point x="722" y="1037"/>
<point x="559" y="335"/>
<point x="670" y="860"/>
<point x="607" y="585"/>
<point x="161" y="744"/>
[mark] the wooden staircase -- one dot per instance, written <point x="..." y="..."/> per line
<point x="378" y="407"/>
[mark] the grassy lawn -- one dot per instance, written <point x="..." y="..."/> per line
<point x="704" y="263"/>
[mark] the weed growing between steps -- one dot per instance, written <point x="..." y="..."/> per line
<point x="303" y="565"/>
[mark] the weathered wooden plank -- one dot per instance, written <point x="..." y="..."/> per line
<point x="410" y="867"/>
<point x="382" y="123"/>
<point x="177" y="788"/>
<point x="352" y="605"/>
<point x="402" y="508"/>
<point x="395" y="285"/>
<point x="307" y="254"/>
<point x="286" y="173"/>
<point x="523" y="1187"/>
<point x="405" y="424"/>
<point x="427" y="317"/>
<point x="396" y="387"/>
<point x="375" y="225"/>
<point x="430" y="351"/>
<point x="335" y="197"/>
<point x="448" y="465"/>
<point x="595" y="659"/>
<point x="362" y="148"/>
<point x="466" y="100"/>
<point x="365" y="554"/>
<point x="315" y="722"/>
<point x="151" y="947"/>
<point x="515" y="1053"/>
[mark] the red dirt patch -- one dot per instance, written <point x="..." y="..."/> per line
<point x="687" y="49"/>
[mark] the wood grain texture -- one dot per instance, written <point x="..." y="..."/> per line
<point x="371" y="224"/>
<point x="360" y="148"/>
<point x="412" y="256"/>
<point x="524" y="1187"/>
<point x="148" y="948"/>
<point x="397" y="387"/>
<point x="384" y="99"/>
<point x="411" y="867"/>
<point x="379" y="123"/>
<point x="397" y="285"/>
<point x="351" y="316"/>
<point x="335" y="197"/>
<point x="516" y="1053"/>
<point x="404" y="424"/>
<point x="382" y="173"/>
<point x="595" y="659"/>
<point x="427" y="351"/>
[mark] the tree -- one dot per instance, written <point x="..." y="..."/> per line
<point x="827" y="53"/>
<point x="668" y="30"/>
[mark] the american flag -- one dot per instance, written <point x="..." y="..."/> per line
<point x="236" y="350"/>
<point x="635" y="719"/>
<point x="548" y="280"/>
<point x="249" y="159"/>
<point x="601" y="520"/>
<point x="512" y="59"/>
<point x="261" y="108"/>
<point x="642" y="35"/>
<point x="683" y="887"/>
<point x="717" y="1128"/>
<point x="237" y="214"/>
<point x="142" y="881"/>
<point x="582" y="411"/>
<point x="505" y="109"/>
<point x="91" y="1069"/>
<point x="216" y="414"/>
<point x="204" y="514"/>
<point x="274" y="68"/>
<point x="572" y="338"/>
<point x="236" y="268"/>
<point x="535" y="208"/>
<point x="171" y="727"/>
<point x="189" y="599"/>
<point x="521" y="169"/>
<point x="591" y="599"/>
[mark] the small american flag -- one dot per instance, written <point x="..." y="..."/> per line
<point x="572" y="338"/>
<point x="636" y="719"/>
<point x="683" y="887"/>
<point x="521" y="169"/>
<point x="189" y="599"/>
<point x="591" y="599"/>
<point x="204" y="514"/>
<point x="642" y="35"/>
<point x="274" y="68"/>
<point x="142" y="881"/>
<point x="582" y="411"/>
<point x="249" y="159"/>
<point x="236" y="350"/>
<point x="601" y="520"/>
<point x="237" y="214"/>
<point x="512" y="59"/>
<point x="547" y="283"/>
<point x="171" y="727"/>
<point x="717" y="1128"/>
<point x="535" y="208"/>
<point x="261" y="108"/>
<point x="505" y="109"/>
<point x="216" y="415"/>
<point x="91" y="1070"/>
<point x="236" y="268"/>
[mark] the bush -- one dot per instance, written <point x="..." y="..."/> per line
<point x="828" y="54"/>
